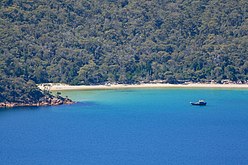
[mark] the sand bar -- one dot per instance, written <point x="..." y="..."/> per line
<point x="61" y="87"/>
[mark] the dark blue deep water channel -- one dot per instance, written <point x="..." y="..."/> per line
<point x="130" y="127"/>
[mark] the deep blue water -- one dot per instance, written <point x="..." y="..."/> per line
<point x="130" y="127"/>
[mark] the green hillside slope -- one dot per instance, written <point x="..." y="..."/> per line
<point x="124" y="41"/>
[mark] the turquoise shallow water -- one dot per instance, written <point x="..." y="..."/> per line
<point x="130" y="127"/>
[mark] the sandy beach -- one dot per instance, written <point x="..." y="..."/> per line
<point x="61" y="87"/>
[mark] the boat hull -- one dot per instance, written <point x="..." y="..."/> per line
<point x="199" y="104"/>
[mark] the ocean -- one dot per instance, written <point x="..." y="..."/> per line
<point x="130" y="127"/>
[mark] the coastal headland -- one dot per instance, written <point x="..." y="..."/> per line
<point x="45" y="101"/>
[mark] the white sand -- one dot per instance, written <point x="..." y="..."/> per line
<point x="60" y="87"/>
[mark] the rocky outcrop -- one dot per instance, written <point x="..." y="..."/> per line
<point x="45" y="101"/>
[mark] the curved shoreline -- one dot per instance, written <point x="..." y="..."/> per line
<point x="62" y="87"/>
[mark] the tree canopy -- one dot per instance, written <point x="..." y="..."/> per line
<point x="124" y="41"/>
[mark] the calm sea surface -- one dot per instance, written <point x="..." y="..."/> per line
<point x="130" y="127"/>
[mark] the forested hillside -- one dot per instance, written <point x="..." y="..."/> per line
<point x="123" y="41"/>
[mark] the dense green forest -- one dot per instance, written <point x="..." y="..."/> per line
<point x="18" y="90"/>
<point x="123" y="41"/>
